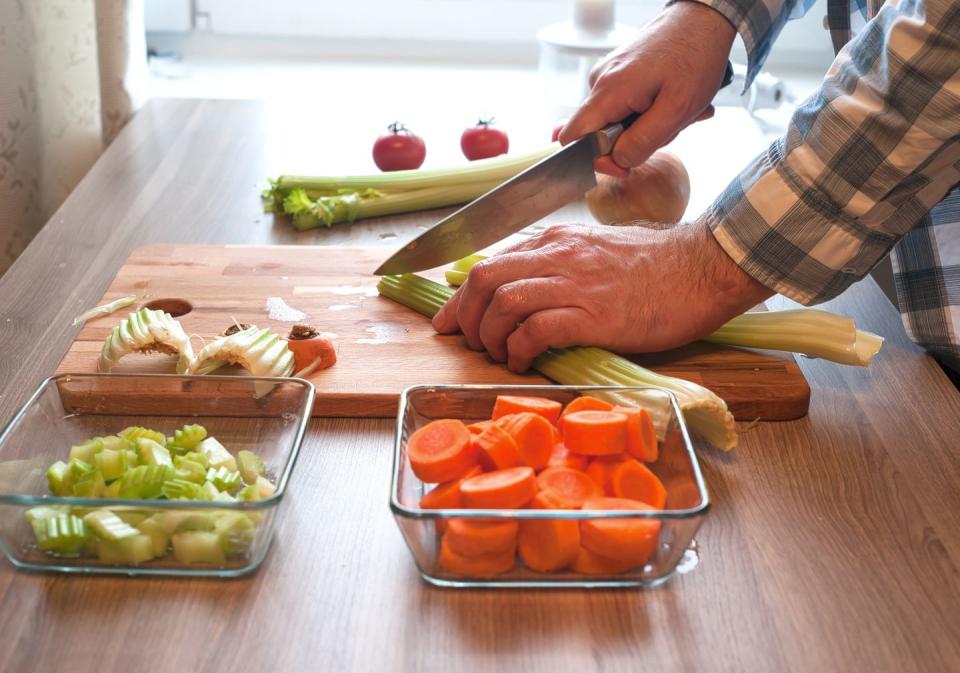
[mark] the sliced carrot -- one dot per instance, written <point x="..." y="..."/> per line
<point x="447" y="494"/>
<point x="601" y="469"/>
<point x="589" y="563"/>
<point x="478" y="427"/>
<point x="568" y="485"/>
<point x="595" y="433"/>
<point x="515" y="404"/>
<point x="479" y="537"/>
<point x="641" y="435"/>
<point x="629" y="540"/>
<point x="547" y="545"/>
<point x="633" y="480"/>
<point x="503" y="489"/>
<point x="534" y="436"/>
<point x="487" y="565"/>
<point x="583" y="403"/>
<point x="564" y="457"/>
<point x="441" y="451"/>
<point x="497" y="448"/>
<point x="313" y="348"/>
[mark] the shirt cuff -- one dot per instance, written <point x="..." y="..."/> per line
<point x="791" y="239"/>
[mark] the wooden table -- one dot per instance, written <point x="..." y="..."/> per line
<point x="833" y="543"/>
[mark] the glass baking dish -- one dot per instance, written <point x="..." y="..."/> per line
<point x="260" y="414"/>
<point x="676" y="466"/>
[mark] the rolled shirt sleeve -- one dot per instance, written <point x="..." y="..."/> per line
<point x="863" y="161"/>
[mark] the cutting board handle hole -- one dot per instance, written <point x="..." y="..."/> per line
<point x="175" y="307"/>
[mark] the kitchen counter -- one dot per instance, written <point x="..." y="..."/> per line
<point x="833" y="543"/>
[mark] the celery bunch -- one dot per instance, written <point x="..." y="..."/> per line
<point x="327" y="200"/>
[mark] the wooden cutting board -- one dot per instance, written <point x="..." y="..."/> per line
<point x="382" y="346"/>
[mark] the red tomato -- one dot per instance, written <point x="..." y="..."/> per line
<point x="482" y="141"/>
<point x="399" y="150"/>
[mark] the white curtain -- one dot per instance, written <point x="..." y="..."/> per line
<point x="72" y="73"/>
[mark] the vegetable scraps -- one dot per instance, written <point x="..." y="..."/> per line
<point x="470" y="474"/>
<point x="146" y="331"/>
<point x="327" y="200"/>
<point x="143" y="464"/>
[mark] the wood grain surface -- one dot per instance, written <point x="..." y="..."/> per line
<point x="334" y="286"/>
<point x="833" y="543"/>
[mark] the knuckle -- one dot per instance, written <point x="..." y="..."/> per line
<point x="480" y="276"/>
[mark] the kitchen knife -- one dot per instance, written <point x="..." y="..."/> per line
<point x="523" y="199"/>
<point x="508" y="208"/>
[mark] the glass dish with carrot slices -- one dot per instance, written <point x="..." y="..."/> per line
<point x="545" y="486"/>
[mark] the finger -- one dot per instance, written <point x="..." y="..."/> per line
<point x="445" y="321"/>
<point x="606" y="166"/>
<point x="708" y="113"/>
<point x="652" y="130"/>
<point x="484" y="279"/>
<point x="553" y="328"/>
<point x="512" y="303"/>
<point x="599" y="109"/>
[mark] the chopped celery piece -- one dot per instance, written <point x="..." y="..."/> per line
<point x="58" y="478"/>
<point x="198" y="547"/>
<point x="217" y="455"/>
<point x="152" y="453"/>
<point x="115" y="443"/>
<point x="236" y="532"/>
<point x="111" y="463"/>
<point x="186" y="439"/>
<point x="223" y="479"/>
<point x="189" y="470"/>
<point x="130" y="516"/>
<point x="198" y="457"/>
<point x="136" y="433"/>
<point x="136" y="548"/>
<point x="158" y="536"/>
<point x="113" y="490"/>
<point x="91" y="486"/>
<point x="87" y="450"/>
<point x="249" y="493"/>
<point x="223" y="496"/>
<point x="181" y="520"/>
<point x="264" y="487"/>
<point x="63" y="534"/>
<point x="79" y="470"/>
<point x="181" y="489"/>
<point x="145" y="481"/>
<point x="210" y="490"/>
<point x="250" y="466"/>
<point x="109" y="526"/>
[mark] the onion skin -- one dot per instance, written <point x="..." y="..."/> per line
<point x="656" y="191"/>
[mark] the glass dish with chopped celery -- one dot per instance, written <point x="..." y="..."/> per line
<point x="144" y="474"/>
<point x="141" y="463"/>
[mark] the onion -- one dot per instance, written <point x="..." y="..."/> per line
<point x="656" y="191"/>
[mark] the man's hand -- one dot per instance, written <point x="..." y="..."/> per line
<point x="669" y="75"/>
<point x="630" y="289"/>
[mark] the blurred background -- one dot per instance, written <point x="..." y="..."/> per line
<point x="333" y="74"/>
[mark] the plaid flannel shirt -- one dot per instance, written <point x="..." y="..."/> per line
<point x="868" y="162"/>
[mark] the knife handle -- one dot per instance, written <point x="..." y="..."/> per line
<point x="607" y="136"/>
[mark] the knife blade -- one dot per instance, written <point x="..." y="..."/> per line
<point x="523" y="199"/>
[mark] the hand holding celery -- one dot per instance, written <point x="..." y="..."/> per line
<point x="142" y="464"/>
<point x="811" y="332"/>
